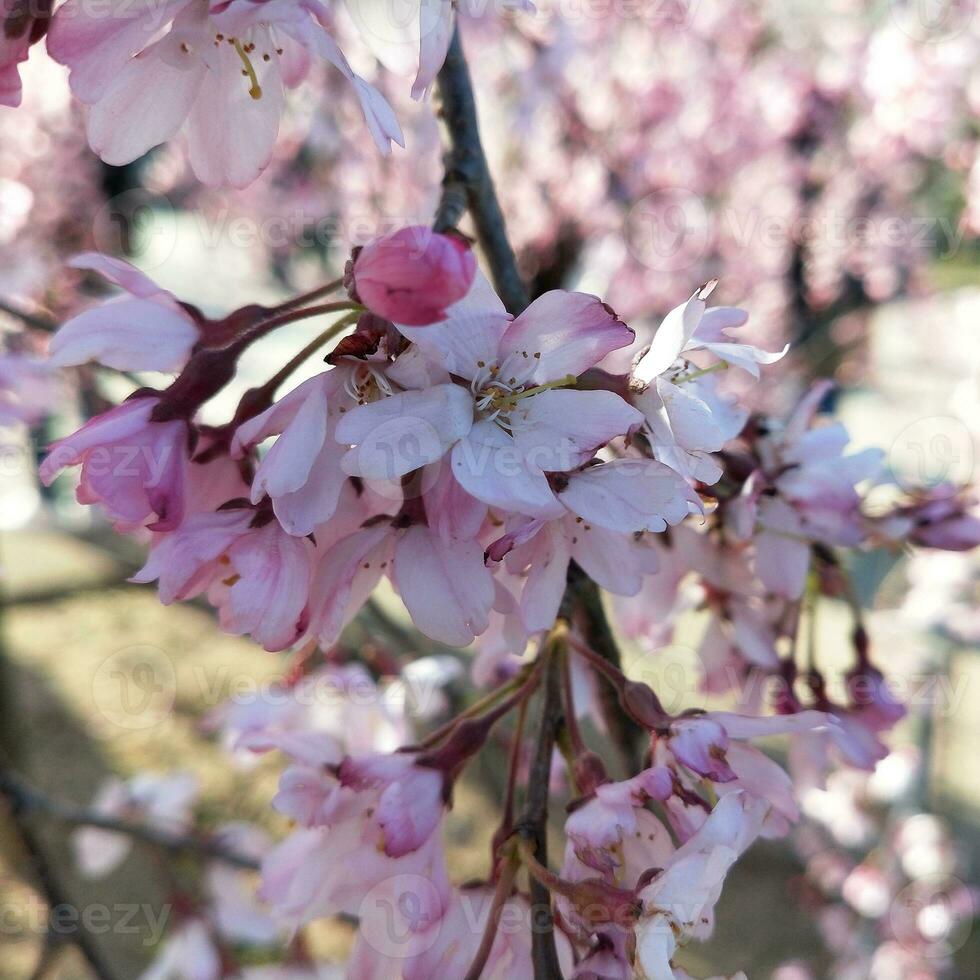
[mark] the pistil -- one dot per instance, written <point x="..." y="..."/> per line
<point x="256" y="90"/>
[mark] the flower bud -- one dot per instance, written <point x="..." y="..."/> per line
<point x="412" y="275"/>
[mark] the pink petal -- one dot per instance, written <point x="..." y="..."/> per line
<point x="445" y="585"/>
<point x="396" y="435"/>
<point x="628" y="495"/>
<point x="490" y="466"/>
<point x="230" y="134"/>
<point x="560" y="334"/>
<point x="466" y="342"/>
<point x="129" y="335"/>
<point x="146" y="102"/>
<point x="559" y="430"/>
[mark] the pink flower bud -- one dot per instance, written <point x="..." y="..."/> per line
<point x="412" y="275"/>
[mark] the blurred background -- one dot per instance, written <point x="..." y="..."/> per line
<point x="821" y="159"/>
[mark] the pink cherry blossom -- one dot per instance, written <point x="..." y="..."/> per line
<point x="514" y="422"/>
<point x="134" y="467"/>
<point x="600" y="831"/>
<point x="148" y="330"/>
<point x="305" y="877"/>
<point x="256" y="574"/>
<point x="416" y="36"/>
<point x="301" y="473"/>
<point x="678" y="904"/>
<point x="217" y="71"/>
<point x="412" y="275"/>
<point x="606" y="507"/>
<point x="442" y="580"/>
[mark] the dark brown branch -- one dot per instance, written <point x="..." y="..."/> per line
<point x="587" y="612"/>
<point x="25" y="799"/>
<point x="468" y="184"/>
<point x="533" y="825"/>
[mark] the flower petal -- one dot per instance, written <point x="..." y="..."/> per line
<point x="561" y="333"/>
<point x="396" y="435"/>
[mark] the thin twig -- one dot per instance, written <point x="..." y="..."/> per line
<point x="468" y="179"/>
<point x="29" y="319"/>
<point x="24" y="798"/>
<point x="505" y="884"/>
<point x="533" y="825"/>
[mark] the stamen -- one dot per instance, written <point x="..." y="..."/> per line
<point x="256" y="90"/>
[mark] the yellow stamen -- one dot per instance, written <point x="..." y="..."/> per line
<point x="256" y="90"/>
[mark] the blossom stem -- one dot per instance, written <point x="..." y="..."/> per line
<point x="305" y="298"/>
<point x="292" y="316"/>
<point x="507" y="823"/>
<point x="485" y="703"/>
<point x="505" y="884"/>
<point x="533" y="824"/>
<point x="571" y="722"/>
<point x="541" y="874"/>
<point x="468" y="179"/>
<point x="311" y="348"/>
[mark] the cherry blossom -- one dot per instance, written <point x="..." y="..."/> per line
<point x="513" y="421"/>
<point x="222" y="69"/>
<point x="135" y="467"/>
<point x="687" y="418"/>
<point x="257" y="575"/>
<point x="148" y="330"/>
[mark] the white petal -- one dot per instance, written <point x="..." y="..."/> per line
<point x="396" y="435"/>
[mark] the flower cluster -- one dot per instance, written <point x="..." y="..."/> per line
<point x="488" y="464"/>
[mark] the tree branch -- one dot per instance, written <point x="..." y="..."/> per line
<point x="468" y="184"/>
<point x="587" y="610"/>
<point x="533" y="825"/>
<point x="25" y="799"/>
<point x="28" y="319"/>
